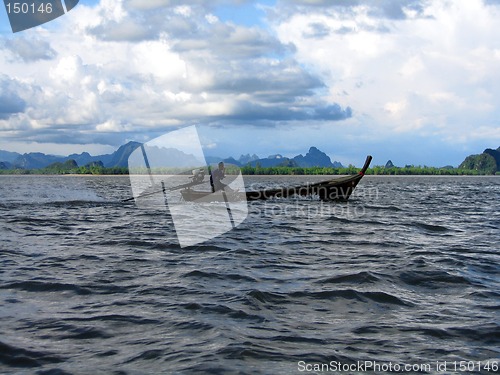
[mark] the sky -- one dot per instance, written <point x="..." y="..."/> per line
<point x="413" y="81"/>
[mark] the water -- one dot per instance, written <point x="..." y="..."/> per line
<point x="405" y="273"/>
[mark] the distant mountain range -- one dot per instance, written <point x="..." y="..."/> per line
<point x="314" y="158"/>
<point x="119" y="158"/>
<point x="488" y="161"/>
<point x="38" y="160"/>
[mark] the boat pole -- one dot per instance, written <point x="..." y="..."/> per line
<point x="147" y="164"/>
<point x="228" y="208"/>
<point x="165" y="189"/>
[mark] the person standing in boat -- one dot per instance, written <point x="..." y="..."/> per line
<point x="216" y="176"/>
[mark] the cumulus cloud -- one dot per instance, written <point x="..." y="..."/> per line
<point x="9" y="105"/>
<point x="29" y="50"/>
<point x="332" y="112"/>
<point x="12" y="101"/>
<point x="126" y="67"/>
<point x="391" y="9"/>
<point x="406" y="66"/>
<point x="127" y="30"/>
<point x="121" y="69"/>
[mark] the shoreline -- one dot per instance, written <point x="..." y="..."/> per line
<point x="251" y="175"/>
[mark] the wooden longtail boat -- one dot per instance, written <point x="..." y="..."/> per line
<point x="336" y="189"/>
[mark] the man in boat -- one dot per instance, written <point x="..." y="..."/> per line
<point x="216" y="176"/>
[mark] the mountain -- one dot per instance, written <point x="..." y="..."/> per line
<point x="35" y="160"/>
<point x="313" y="158"/>
<point x="85" y="158"/>
<point x="245" y="159"/>
<point x="7" y="156"/>
<point x="487" y="162"/>
<point x="495" y="154"/>
<point x="163" y="157"/>
<point x="38" y="160"/>
<point x="241" y="161"/>
<point x="232" y="160"/>
<point x="273" y="161"/>
<point x="119" y="158"/>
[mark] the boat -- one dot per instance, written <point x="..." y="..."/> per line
<point x="336" y="189"/>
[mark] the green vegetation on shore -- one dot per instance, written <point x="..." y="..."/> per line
<point x="409" y="170"/>
<point x="69" y="167"/>
<point x="376" y="170"/>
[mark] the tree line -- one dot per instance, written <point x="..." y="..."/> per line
<point x="376" y="170"/>
<point x="68" y="168"/>
<point x="60" y="170"/>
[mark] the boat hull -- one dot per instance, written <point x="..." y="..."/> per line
<point x="337" y="189"/>
<point x="332" y="190"/>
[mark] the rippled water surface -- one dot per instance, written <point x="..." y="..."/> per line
<point x="406" y="272"/>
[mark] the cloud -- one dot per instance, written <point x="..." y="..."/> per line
<point x="260" y="114"/>
<point x="125" y="68"/>
<point x="332" y="112"/>
<point x="129" y="69"/>
<point x="317" y="30"/>
<point x="269" y="80"/>
<point x="231" y="41"/>
<point x="390" y="9"/>
<point x="432" y="71"/>
<point x="127" y="30"/>
<point x="131" y="21"/>
<point x="29" y="50"/>
<point x="10" y="102"/>
<point x="189" y="28"/>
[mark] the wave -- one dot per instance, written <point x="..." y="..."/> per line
<point x="227" y="311"/>
<point x="383" y="208"/>
<point x="104" y="287"/>
<point x="378" y="297"/>
<point x="41" y="286"/>
<point x="85" y="333"/>
<point x="19" y="357"/>
<point x="429" y="227"/>
<point x="432" y="279"/>
<point x="352" y="278"/>
<point x="487" y="334"/>
<point x="134" y="319"/>
<point x="148" y="355"/>
<point x="219" y="276"/>
<point x="276" y="299"/>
